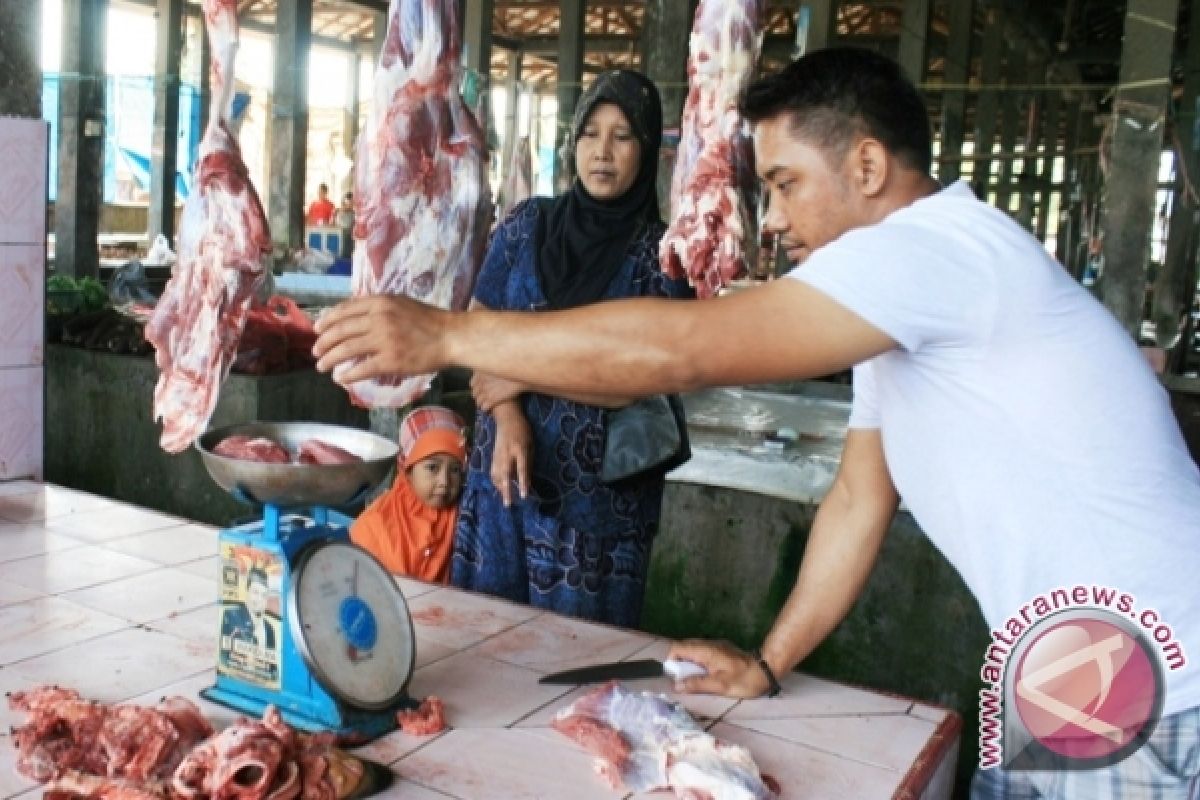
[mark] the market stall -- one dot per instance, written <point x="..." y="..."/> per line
<point x="76" y="626"/>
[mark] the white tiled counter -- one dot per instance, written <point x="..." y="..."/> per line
<point x="121" y="603"/>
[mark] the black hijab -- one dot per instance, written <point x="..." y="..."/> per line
<point x="581" y="241"/>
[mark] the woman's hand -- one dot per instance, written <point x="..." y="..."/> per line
<point x="490" y="391"/>
<point x="731" y="672"/>
<point x="512" y="451"/>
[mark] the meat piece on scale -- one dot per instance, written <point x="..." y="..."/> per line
<point x="422" y="204"/>
<point x="224" y="244"/>
<point x="712" y="237"/>
<point x="253" y="448"/>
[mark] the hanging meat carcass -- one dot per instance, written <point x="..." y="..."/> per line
<point x="422" y="203"/>
<point x="223" y="245"/>
<point x="712" y="237"/>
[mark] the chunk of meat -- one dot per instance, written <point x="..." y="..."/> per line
<point x="422" y="203"/>
<point x="65" y="733"/>
<point x="711" y="238"/>
<point x="315" y="451"/>
<point x="427" y="719"/>
<point x="257" y="760"/>
<point x="224" y="244"/>
<point x="645" y="742"/>
<point x="253" y="448"/>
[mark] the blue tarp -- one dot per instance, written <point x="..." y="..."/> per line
<point x="129" y="129"/>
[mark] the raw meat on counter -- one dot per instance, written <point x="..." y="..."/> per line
<point x="255" y="760"/>
<point x="425" y="720"/>
<point x="65" y="733"/>
<point x="422" y="203"/>
<point x="644" y="742"/>
<point x="712" y="237"/>
<point x="84" y="750"/>
<point x="223" y="245"/>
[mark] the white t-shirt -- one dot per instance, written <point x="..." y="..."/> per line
<point x="1020" y="423"/>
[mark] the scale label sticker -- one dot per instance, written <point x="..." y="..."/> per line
<point x="251" y="623"/>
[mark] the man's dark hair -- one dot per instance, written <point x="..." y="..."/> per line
<point x="836" y="94"/>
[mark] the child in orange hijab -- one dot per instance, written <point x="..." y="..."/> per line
<point x="410" y="529"/>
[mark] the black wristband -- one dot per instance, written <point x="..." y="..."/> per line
<point x="773" y="687"/>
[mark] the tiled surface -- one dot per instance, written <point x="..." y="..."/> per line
<point x="20" y="424"/>
<point x="121" y="603"/>
<point x="23" y="175"/>
<point x="22" y="327"/>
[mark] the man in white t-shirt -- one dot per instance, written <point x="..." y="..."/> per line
<point x="1008" y="408"/>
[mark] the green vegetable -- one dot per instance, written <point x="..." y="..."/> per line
<point x="60" y="283"/>
<point x="95" y="296"/>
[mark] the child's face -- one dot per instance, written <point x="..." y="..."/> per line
<point x="437" y="480"/>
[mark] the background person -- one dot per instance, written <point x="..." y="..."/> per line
<point x="537" y="526"/>
<point x="322" y="209"/>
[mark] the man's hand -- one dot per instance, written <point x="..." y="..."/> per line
<point x="490" y="391"/>
<point x="512" y="452"/>
<point x="382" y="335"/>
<point x="731" y="672"/>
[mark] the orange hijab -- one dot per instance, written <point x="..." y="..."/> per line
<point x="407" y="536"/>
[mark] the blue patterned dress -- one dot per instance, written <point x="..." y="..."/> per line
<point x="574" y="546"/>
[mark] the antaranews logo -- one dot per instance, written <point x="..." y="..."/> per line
<point x="1074" y="681"/>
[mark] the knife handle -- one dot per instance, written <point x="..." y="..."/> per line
<point x="678" y="669"/>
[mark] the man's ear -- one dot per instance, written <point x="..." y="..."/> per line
<point x="870" y="162"/>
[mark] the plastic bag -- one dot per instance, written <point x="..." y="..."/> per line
<point x="160" y="254"/>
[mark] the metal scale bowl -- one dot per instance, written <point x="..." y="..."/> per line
<point x="310" y="623"/>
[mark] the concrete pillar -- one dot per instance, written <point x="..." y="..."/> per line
<point x="1172" y="299"/>
<point x="379" y="33"/>
<point x="80" y="139"/>
<point x="665" y="52"/>
<point x="289" y="122"/>
<point x="21" y="58"/>
<point x="914" y="33"/>
<point x="570" y="78"/>
<point x="512" y="110"/>
<point x="1032" y="109"/>
<point x="1051" y="113"/>
<point x="1070" y="190"/>
<point x="477" y="50"/>
<point x="164" y="145"/>
<point x="1012" y="118"/>
<point x="1139" y="117"/>
<point x="350" y="116"/>
<point x="205" y="74"/>
<point x="954" y="98"/>
<point x="816" y="25"/>
<point x="991" y="54"/>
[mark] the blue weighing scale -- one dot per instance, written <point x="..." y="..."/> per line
<point x="310" y="623"/>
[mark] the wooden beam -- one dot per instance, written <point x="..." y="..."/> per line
<point x="570" y="78"/>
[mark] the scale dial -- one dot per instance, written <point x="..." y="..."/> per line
<point x="351" y="625"/>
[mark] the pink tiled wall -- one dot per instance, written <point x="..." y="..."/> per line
<point x="22" y="303"/>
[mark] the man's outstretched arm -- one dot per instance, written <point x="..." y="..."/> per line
<point x="782" y="331"/>
<point x="843" y="544"/>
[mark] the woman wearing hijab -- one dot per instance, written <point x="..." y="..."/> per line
<point x="536" y="525"/>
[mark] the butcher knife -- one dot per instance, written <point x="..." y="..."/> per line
<point x="673" y="668"/>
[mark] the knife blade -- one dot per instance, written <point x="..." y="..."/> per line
<point x="625" y="671"/>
